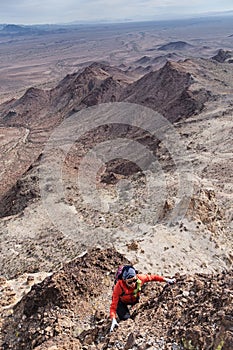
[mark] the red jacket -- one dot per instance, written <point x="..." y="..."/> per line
<point x="128" y="295"/>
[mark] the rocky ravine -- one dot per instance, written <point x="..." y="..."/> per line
<point x="69" y="310"/>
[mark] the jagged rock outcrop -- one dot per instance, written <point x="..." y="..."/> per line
<point x="42" y="109"/>
<point x="96" y="84"/>
<point x="166" y="91"/>
<point x="223" y="56"/>
<point x="70" y="308"/>
<point x="27" y="109"/>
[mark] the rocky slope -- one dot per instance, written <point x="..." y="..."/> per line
<point x="38" y="112"/>
<point x="69" y="310"/>
<point x="181" y="88"/>
<point x="167" y="91"/>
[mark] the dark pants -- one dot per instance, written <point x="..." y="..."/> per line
<point x="123" y="311"/>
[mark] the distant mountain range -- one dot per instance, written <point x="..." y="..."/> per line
<point x="19" y="30"/>
<point x="208" y="16"/>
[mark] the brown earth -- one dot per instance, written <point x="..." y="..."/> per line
<point x="69" y="310"/>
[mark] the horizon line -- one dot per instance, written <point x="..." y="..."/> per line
<point x="211" y="14"/>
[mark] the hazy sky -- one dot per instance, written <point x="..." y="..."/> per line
<point x="61" y="11"/>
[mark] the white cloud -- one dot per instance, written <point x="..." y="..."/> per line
<point x="41" y="11"/>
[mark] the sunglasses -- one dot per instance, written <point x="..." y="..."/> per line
<point x="131" y="281"/>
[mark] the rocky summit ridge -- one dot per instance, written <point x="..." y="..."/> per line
<point x="70" y="310"/>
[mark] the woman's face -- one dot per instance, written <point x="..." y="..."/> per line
<point x="131" y="282"/>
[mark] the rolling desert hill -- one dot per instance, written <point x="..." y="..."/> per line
<point x="176" y="45"/>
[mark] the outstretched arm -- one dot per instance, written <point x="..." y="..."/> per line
<point x="149" y="278"/>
